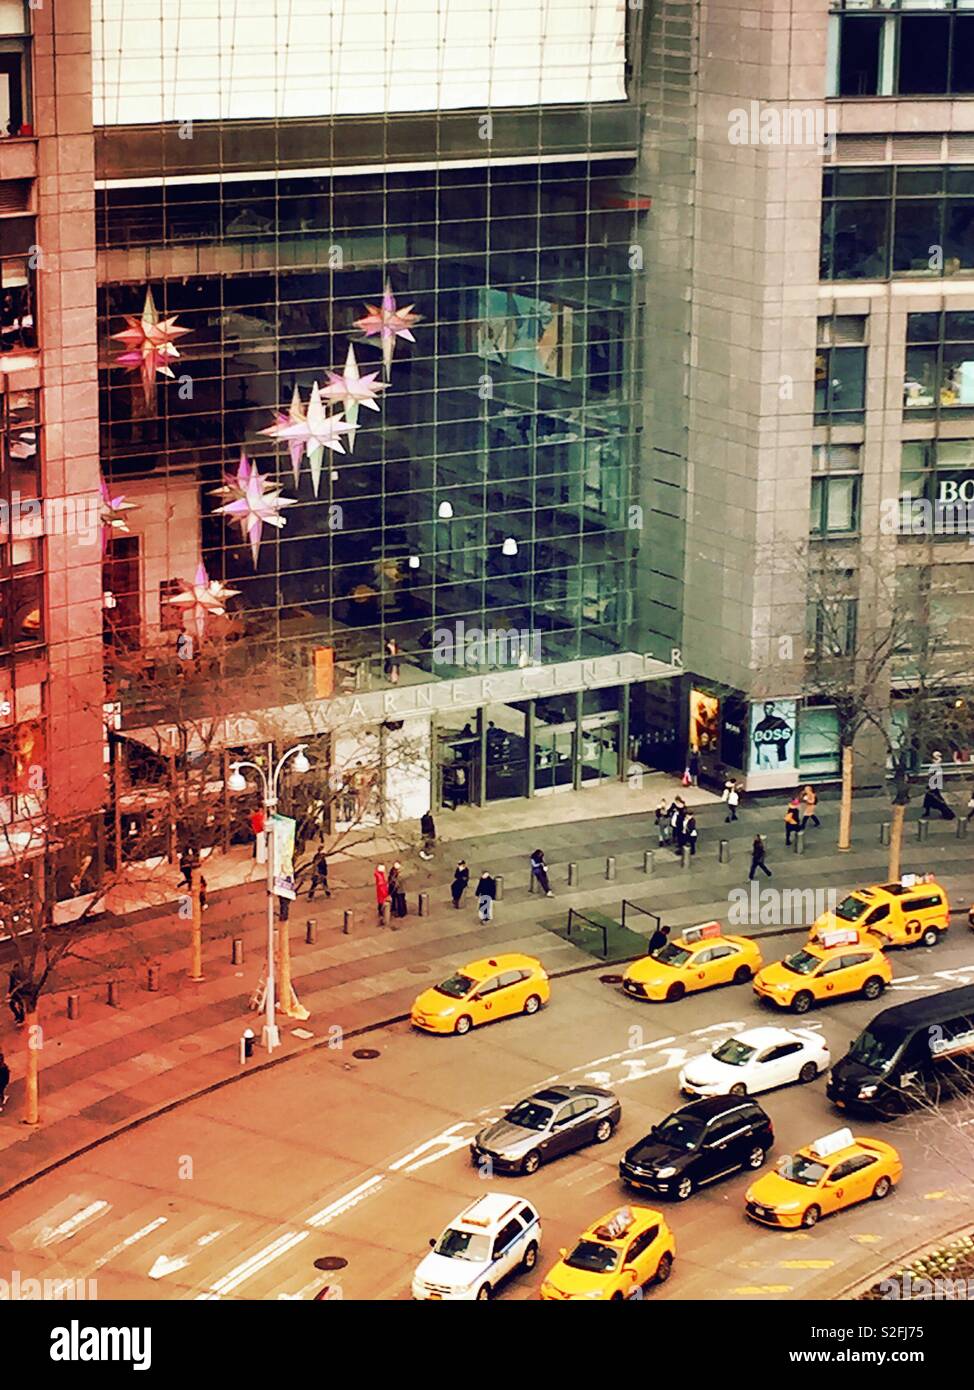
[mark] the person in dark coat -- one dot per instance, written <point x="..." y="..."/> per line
<point x="658" y="939"/>
<point x="461" y="877"/>
<point x="397" y="889"/>
<point x="186" y="868"/>
<point x="677" y="814"/>
<point x="933" y="799"/>
<point x="319" y="875"/>
<point x="15" y="995"/>
<point x="204" y="902"/>
<point x="757" y="857"/>
<point x="540" y="871"/>
<point x="793" y="819"/>
<point x="486" y="893"/>
<point x="690" y="832"/>
<point x="693" y="766"/>
<point x="427" y="828"/>
<point x="4" y="1081"/>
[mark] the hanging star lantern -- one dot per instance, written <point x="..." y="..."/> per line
<point x="149" y="345"/>
<point x="112" y="515"/>
<point x="295" y="415"/>
<point x="255" y="502"/>
<point x="353" y="389"/>
<point x="202" y="598"/>
<point x="388" y="322"/>
<point x="315" y="431"/>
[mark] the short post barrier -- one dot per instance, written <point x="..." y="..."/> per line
<point x="311" y="932"/>
<point x="499" y="880"/>
<point x="610" y="866"/>
<point x="923" y="829"/>
<point x="800" y="842"/>
<point x="236" y="951"/>
<point x="647" y="861"/>
<point x="424" y="904"/>
<point x="573" y="875"/>
<point x="884" y="830"/>
<point x="723" y="852"/>
<point x="348" y="921"/>
<point x="152" y="978"/>
<point x="74" y="1006"/>
<point x="114" y="994"/>
<point x="247" y="1041"/>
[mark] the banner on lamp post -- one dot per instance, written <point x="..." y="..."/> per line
<point x="282" y="828"/>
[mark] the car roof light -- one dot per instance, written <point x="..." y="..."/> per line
<point x="831" y="1143"/>
<point x="617" y="1224"/>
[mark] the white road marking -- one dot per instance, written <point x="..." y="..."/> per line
<point x="343" y="1204"/>
<point x="228" y="1282"/>
<point x="51" y="1235"/>
<point x="441" y="1145"/>
<point x="164" y="1265"/>
<point x="133" y="1239"/>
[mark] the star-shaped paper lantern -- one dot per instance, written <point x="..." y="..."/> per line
<point x="315" y="431"/>
<point x="112" y="515"/>
<point x="149" y="345"/>
<point x="295" y="415"/>
<point x="255" y="501"/>
<point x="388" y="322"/>
<point x="353" y="389"/>
<point x="202" y="599"/>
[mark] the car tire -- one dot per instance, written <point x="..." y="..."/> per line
<point x="684" y="1189"/>
<point x="882" y="1189"/>
<point x="675" y="992"/>
<point x="531" y="1162"/>
<point x="810" y="1217"/>
<point x="463" y="1024"/>
<point x="484" y="1293"/>
<point x="873" y="987"/>
<point x="742" y="974"/>
<point x="530" y="1257"/>
<point x="532" y="1004"/>
<point x="617" y="1297"/>
<point x="808" y="1073"/>
<point x="603" y="1131"/>
<point x="738" y="1089"/>
<point x="930" y="937"/>
<point x="802" y="1002"/>
<point x="755" y="1158"/>
<point x="664" y="1268"/>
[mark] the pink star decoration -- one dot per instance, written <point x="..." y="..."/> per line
<point x="112" y="514"/>
<point x="353" y="389"/>
<point x="313" y="432"/>
<point x="254" y="502"/>
<point x="202" y="598"/>
<point x="388" y="322"/>
<point x="294" y="415"/>
<point x="150" y="345"/>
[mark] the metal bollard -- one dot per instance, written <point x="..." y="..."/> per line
<point x="348" y="921"/>
<point x="113" y="994"/>
<point x="311" y="932"/>
<point x="74" y="1005"/>
<point x="723" y="852"/>
<point x="424" y="904"/>
<point x="800" y="842"/>
<point x="531" y="881"/>
<point x="247" y="1041"/>
<point x="647" y="861"/>
<point x="610" y="866"/>
<point x="961" y="827"/>
<point x="385" y="913"/>
<point x="573" y="875"/>
<point x="152" y="979"/>
<point x="923" y="829"/>
<point x="884" y="830"/>
<point x="236" y="951"/>
<point x="499" y="880"/>
<point x="685" y="857"/>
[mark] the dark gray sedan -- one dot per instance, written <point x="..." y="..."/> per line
<point x="552" y="1122"/>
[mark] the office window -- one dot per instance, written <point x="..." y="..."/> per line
<point x="835" y="506"/>
<point x="840" y="370"/>
<point x="939" y="475"/>
<point x="910" y="221"/>
<point x="830" y="628"/>
<point x="926" y="52"/>
<point x="939" y="363"/>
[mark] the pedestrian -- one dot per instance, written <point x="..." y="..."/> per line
<point x="461" y="877"/>
<point x="677" y="814"/>
<point x="486" y="893"/>
<point x="793" y="819"/>
<point x="934" y="798"/>
<point x="970" y="807"/>
<point x="658" y="939"/>
<point x="732" y="796"/>
<point x="204" y="904"/>
<point x="381" y="891"/>
<point x="427" y="827"/>
<point x="809" y="801"/>
<point x="257" y="826"/>
<point x="664" y="831"/>
<point x="539" y="869"/>
<point x="15" y="995"/>
<point x="397" y="889"/>
<point x="757" y="857"/>
<point x="4" y="1082"/>
<point x="186" y="869"/>
<point x="390" y="667"/>
<point x="319" y="875"/>
<point x="690" y="832"/>
<point x="693" y="766"/>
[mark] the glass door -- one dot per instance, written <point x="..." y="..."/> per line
<point x="600" y="749"/>
<point x="554" y="758"/>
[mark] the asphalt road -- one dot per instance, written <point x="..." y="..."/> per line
<point x="238" y="1194"/>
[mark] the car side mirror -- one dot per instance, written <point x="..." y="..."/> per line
<point x="563" y="1251"/>
<point x="783" y="1162"/>
<point x="432" y="1243"/>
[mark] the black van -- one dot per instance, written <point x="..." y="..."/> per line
<point x="913" y="1053"/>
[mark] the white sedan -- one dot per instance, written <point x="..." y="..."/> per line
<point x="756" y="1060"/>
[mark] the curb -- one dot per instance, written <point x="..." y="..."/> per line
<point x="852" y="1291"/>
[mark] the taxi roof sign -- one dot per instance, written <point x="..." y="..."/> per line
<point x="839" y="936"/>
<point x="617" y="1225"/>
<point x="831" y="1143"/>
<point x="701" y="933"/>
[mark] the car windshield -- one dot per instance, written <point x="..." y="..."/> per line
<point x="682" y="1132"/>
<point x="671" y="954"/>
<point x="464" y="1245"/>
<point x="590" y="1255"/>
<point x="875" y="1050"/>
<point x="734" y="1053"/>
<point x="457" y="986"/>
<point x="529" y="1116"/>
<point x="803" y="1170"/>
<point x="850" y="909"/>
<point x="802" y="963"/>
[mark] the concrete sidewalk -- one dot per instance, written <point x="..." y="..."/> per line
<point x="116" y="1066"/>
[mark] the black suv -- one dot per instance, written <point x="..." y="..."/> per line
<point x="698" y="1144"/>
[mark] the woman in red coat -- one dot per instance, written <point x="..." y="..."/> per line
<point x="381" y="889"/>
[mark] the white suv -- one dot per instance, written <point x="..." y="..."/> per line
<point x="489" y="1240"/>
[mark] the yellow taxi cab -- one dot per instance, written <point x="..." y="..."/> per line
<point x="700" y="958"/>
<point x="837" y="964"/>
<point x="834" y="1172"/>
<point x="615" y="1258"/>
<point x="913" y="912"/>
<point x="481" y="992"/>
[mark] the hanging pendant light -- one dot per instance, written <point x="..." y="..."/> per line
<point x="445" y="511"/>
<point x="509" y="547"/>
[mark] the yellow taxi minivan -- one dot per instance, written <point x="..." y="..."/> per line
<point x="913" y="912"/>
<point x="699" y="959"/>
<point x="481" y="992"/>
<point x="615" y="1258"/>
<point x="838" y="964"/>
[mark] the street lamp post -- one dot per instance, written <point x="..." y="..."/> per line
<point x="270" y="1036"/>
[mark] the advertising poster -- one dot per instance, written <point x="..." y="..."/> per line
<point x="772" y="743"/>
<point x="282" y="828"/>
<point x="704" y="722"/>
